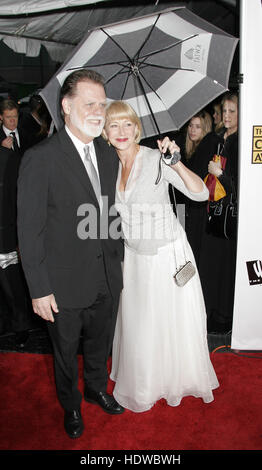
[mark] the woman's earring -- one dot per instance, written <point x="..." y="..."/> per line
<point x="108" y="143"/>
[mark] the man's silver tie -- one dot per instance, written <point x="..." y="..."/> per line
<point x="92" y="173"/>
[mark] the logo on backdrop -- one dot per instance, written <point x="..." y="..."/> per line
<point x="254" y="269"/>
<point x="257" y="145"/>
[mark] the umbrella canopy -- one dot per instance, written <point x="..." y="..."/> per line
<point x="167" y="66"/>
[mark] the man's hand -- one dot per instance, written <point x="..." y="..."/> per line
<point x="45" y="306"/>
<point x="7" y="142"/>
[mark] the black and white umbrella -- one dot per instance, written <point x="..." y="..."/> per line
<point x="167" y="66"/>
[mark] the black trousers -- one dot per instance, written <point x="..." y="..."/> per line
<point x="14" y="290"/>
<point x="96" y="324"/>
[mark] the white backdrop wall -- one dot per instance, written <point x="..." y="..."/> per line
<point x="247" y="322"/>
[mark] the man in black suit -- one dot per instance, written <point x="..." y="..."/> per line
<point x="18" y="316"/>
<point x="74" y="280"/>
<point x="11" y="137"/>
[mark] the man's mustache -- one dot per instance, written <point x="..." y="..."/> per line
<point x="96" y="118"/>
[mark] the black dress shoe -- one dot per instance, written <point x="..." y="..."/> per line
<point x="107" y="402"/>
<point x="73" y="423"/>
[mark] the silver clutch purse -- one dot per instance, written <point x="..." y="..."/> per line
<point x="184" y="274"/>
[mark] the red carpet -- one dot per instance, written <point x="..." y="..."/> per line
<point x="31" y="418"/>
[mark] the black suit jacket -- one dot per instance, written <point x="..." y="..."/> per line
<point x="23" y="139"/>
<point x="53" y="184"/>
<point x="9" y="166"/>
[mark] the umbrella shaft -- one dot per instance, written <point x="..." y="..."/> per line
<point x="149" y="106"/>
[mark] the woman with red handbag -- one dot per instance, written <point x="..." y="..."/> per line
<point x="200" y="144"/>
<point x="218" y="257"/>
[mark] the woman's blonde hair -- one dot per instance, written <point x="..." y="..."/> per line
<point x="229" y="96"/>
<point x="206" y="126"/>
<point x="122" y="110"/>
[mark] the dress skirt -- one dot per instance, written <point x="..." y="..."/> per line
<point x="160" y="346"/>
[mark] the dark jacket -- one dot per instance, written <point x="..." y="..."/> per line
<point x="9" y="166"/>
<point x="53" y="186"/>
<point x="229" y="178"/>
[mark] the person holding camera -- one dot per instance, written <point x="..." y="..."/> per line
<point x="160" y="345"/>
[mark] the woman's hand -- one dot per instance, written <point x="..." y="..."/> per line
<point x="167" y="144"/>
<point x="214" y="168"/>
<point x="192" y="181"/>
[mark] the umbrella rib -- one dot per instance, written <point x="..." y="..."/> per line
<point x="119" y="72"/>
<point x="147" y="64"/>
<point x="128" y="75"/>
<point x="147" y="38"/>
<point x="154" y="91"/>
<point x="114" y="75"/>
<point x="100" y="65"/>
<point x="118" y="45"/>
<point x="144" y="57"/>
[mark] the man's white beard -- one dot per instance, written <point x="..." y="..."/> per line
<point x="88" y="129"/>
<point x="94" y="131"/>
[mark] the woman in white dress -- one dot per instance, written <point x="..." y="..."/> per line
<point x="160" y="346"/>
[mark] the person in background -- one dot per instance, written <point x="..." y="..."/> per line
<point x="217" y="263"/>
<point x="12" y="136"/>
<point x="14" y="293"/>
<point x="36" y="123"/>
<point x="217" y="117"/>
<point x="160" y="346"/>
<point x="199" y="126"/>
<point x="200" y="145"/>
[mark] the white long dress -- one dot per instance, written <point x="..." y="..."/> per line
<point x="160" y="345"/>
